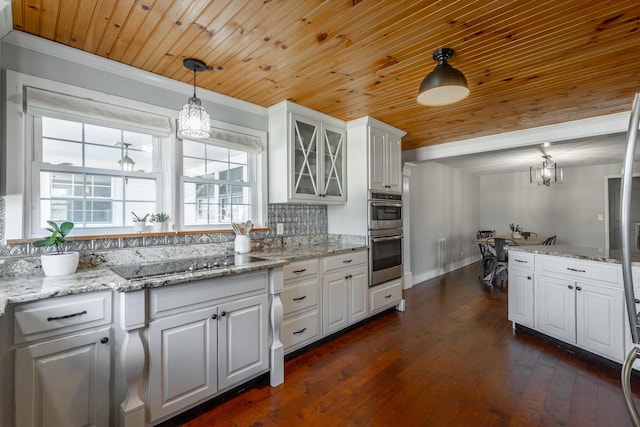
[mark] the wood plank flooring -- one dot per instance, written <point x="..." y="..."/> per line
<point x="451" y="359"/>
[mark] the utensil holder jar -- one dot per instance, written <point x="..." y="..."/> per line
<point x="242" y="244"/>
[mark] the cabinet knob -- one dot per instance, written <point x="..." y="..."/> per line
<point x="104" y="340"/>
<point x="214" y="317"/>
<point x="224" y="313"/>
<point x="578" y="288"/>
<point x="528" y="277"/>
<point x="570" y="286"/>
<point x="637" y="301"/>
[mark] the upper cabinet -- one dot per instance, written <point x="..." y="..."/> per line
<point x="385" y="173"/>
<point x="307" y="161"/>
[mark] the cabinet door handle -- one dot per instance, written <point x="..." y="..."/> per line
<point x="347" y="261"/>
<point x="66" y="316"/>
<point x="300" y="331"/>
<point x="300" y="298"/>
<point x="576" y="270"/>
<point x="224" y="313"/>
<point x="578" y="288"/>
<point x="570" y="286"/>
<point x="520" y="260"/>
<point x="299" y="271"/>
<point x="528" y="277"/>
<point x="104" y="340"/>
<point x="214" y="316"/>
<point x="387" y="296"/>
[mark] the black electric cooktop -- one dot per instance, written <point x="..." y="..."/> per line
<point x="189" y="265"/>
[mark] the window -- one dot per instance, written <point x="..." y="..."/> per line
<point x="219" y="184"/>
<point x="79" y="174"/>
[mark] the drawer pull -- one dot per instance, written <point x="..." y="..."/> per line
<point x="67" y="316"/>
<point x="347" y="261"/>
<point x="576" y="269"/>
<point x="300" y="298"/>
<point x="520" y="260"/>
<point x="300" y="331"/>
<point x="387" y="296"/>
<point x="299" y="271"/>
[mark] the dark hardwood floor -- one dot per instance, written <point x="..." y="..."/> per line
<point x="451" y="359"/>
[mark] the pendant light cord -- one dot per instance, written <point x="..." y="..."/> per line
<point x="194" y="82"/>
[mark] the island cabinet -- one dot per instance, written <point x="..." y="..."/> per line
<point x="307" y="162"/>
<point x="345" y="290"/>
<point x="301" y="301"/>
<point x="581" y="302"/>
<point x="203" y="338"/>
<point x="521" y="288"/>
<point x="62" y="361"/>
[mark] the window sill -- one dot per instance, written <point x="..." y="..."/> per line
<point x="133" y="235"/>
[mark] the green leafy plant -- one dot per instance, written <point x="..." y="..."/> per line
<point x="515" y="228"/>
<point x="137" y="218"/>
<point x="159" y="217"/>
<point x="57" y="236"/>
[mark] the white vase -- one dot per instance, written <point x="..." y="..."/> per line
<point x="516" y="235"/>
<point x="242" y="244"/>
<point x="158" y="227"/>
<point x="60" y="264"/>
<point x="139" y="226"/>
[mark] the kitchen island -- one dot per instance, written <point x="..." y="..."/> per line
<point x="574" y="295"/>
<point x="152" y="346"/>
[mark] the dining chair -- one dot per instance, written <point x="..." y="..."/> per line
<point x="488" y="253"/>
<point x="483" y="234"/>
<point x="550" y="241"/>
<point x="499" y="266"/>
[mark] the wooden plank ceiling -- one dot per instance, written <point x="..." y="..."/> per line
<point x="528" y="63"/>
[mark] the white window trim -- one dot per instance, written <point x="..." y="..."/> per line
<point x="20" y="210"/>
<point x="258" y="170"/>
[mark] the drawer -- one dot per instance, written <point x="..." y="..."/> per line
<point x="299" y="296"/>
<point x="300" y="330"/>
<point x="335" y="262"/>
<point x="385" y="296"/>
<point x="174" y="298"/>
<point x="522" y="260"/>
<point x="581" y="269"/>
<point x="56" y="316"/>
<point x="304" y="268"/>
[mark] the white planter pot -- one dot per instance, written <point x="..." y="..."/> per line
<point x="139" y="226"/>
<point x="516" y="235"/>
<point x="60" y="264"/>
<point x="158" y="227"/>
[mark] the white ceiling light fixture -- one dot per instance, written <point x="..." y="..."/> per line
<point x="194" y="121"/>
<point x="127" y="162"/>
<point x="548" y="174"/>
<point x="445" y="84"/>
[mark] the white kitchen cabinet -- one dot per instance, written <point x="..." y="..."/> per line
<point x="307" y="162"/>
<point x="345" y="290"/>
<point x="386" y="295"/>
<point x="63" y="361"/>
<point x="571" y="308"/>
<point x="385" y="173"/>
<point x="205" y="338"/>
<point x="301" y="300"/>
<point x="521" y="288"/>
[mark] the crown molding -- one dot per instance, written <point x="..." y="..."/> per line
<point x="601" y="125"/>
<point x="48" y="47"/>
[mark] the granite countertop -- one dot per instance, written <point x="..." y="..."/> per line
<point x="36" y="286"/>
<point x="591" y="254"/>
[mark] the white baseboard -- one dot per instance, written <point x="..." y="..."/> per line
<point x="419" y="278"/>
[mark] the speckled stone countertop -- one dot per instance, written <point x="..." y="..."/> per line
<point x="36" y="286"/>
<point x="591" y="254"/>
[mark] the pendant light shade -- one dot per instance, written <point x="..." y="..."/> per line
<point x="548" y="174"/>
<point x="194" y="121"/>
<point x="444" y="85"/>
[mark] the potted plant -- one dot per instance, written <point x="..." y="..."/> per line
<point x="159" y="220"/>
<point x="515" y="231"/>
<point x="58" y="263"/>
<point x="139" y="222"/>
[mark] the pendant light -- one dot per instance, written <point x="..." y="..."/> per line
<point x="444" y="85"/>
<point x="126" y="161"/>
<point x="194" y="121"/>
<point x="548" y="174"/>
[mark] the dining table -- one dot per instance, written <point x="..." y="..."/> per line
<point x="531" y="240"/>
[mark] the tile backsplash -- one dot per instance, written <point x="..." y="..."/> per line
<point x="297" y="220"/>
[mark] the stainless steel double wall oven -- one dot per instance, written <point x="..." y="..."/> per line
<point x="385" y="237"/>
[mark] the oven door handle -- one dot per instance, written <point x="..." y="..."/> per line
<point x="385" y="239"/>
<point x="395" y="205"/>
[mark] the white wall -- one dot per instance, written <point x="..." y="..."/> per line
<point x="443" y="204"/>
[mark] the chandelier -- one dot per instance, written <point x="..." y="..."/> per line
<point x="194" y="121"/>
<point x="548" y="174"/>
